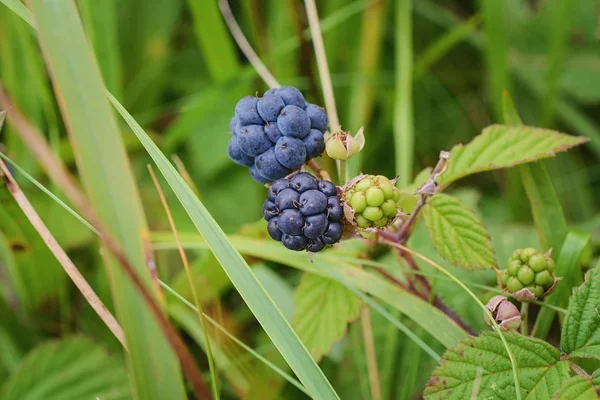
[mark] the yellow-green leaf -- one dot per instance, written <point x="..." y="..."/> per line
<point x="322" y="309"/>
<point x="457" y="234"/>
<point x="502" y="146"/>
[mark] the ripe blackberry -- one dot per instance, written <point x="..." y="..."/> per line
<point x="276" y="134"/>
<point x="304" y="213"/>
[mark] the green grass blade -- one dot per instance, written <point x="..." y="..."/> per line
<point x="105" y="169"/>
<point x="496" y="50"/>
<point x="568" y="267"/>
<point x="403" y="116"/>
<point x="278" y="370"/>
<point x="100" y="21"/>
<point x="547" y="212"/>
<point x="362" y="95"/>
<point x="19" y="8"/>
<point x="257" y="299"/>
<point x="430" y="318"/>
<point x="438" y="49"/>
<point x="561" y="11"/>
<point x="218" y="49"/>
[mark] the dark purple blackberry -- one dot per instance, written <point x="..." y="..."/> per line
<point x="304" y="213"/>
<point x="276" y="134"/>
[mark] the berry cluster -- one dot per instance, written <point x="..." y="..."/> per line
<point x="304" y="213"/>
<point x="530" y="269"/>
<point x="276" y="134"/>
<point x="370" y="201"/>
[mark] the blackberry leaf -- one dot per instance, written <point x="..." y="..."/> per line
<point x="580" y="334"/>
<point x="484" y="361"/>
<point x="457" y="234"/>
<point x="579" y="388"/>
<point x="323" y="307"/>
<point x="501" y="146"/>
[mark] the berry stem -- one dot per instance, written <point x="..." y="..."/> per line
<point x="318" y="170"/>
<point x="525" y="318"/>
<point x="245" y="46"/>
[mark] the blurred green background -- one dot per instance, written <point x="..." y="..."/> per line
<point x="176" y="68"/>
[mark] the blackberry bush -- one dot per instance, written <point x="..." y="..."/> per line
<point x="304" y="213"/>
<point x="276" y="134"/>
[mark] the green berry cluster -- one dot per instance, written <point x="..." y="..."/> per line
<point x="531" y="269"/>
<point x="373" y="201"/>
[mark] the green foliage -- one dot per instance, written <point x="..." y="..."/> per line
<point x="480" y="366"/>
<point x="501" y="146"/>
<point x="322" y="310"/>
<point x="580" y="334"/>
<point x="457" y="234"/>
<point x="68" y="369"/>
<point x="578" y="388"/>
<point x="258" y="300"/>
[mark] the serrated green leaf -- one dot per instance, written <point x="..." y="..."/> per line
<point x="580" y="335"/>
<point x="457" y="234"/>
<point x="502" y="146"/>
<point x="578" y="388"/>
<point x="322" y="309"/>
<point x="483" y="361"/>
<point x="596" y="378"/>
<point x="69" y="369"/>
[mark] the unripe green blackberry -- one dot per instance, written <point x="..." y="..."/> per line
<point x="370" y="201"/>
<point x="529" y="274"/>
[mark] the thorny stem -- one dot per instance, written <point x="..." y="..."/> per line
<point x="524" y="318"/>
<point x="245" y="46"/>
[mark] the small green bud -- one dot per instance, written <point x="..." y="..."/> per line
<point x="513" y="285"/>
<point x="372" y="213"/>
<point x="526" y="275"/>
<point x="375" y="196"/>
<point x="342" y="145"/>
<point x="527" y="253"/>
<point x="543" y="278"/>
<point x="358" y="202"/>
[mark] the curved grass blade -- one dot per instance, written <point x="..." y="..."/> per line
<point x="242" y="277"/>
<point x="104" y="167"/>
<point x="430" y="318"/>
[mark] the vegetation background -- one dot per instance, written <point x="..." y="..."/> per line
<point x="175" y="67"/>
